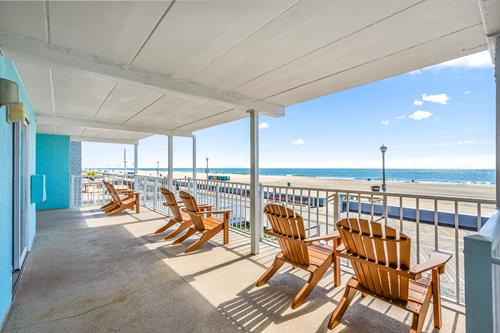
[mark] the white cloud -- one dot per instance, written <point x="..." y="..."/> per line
<point x="402" y="116"/>
<point x="477" y="60"/>
<point x="420" y="115"/>
<point x="467" y="92"/>
<point x="418" y="102"/>
<point x="439" y="98"/>
<point x="263" y="125"/>
<point x="385" y="122"/>
<point x="299" y="141"/>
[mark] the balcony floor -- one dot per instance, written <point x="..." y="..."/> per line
<point x="90" y="273"/>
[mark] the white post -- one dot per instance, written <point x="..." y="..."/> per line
<point x="255" y="200"/>
<point x="195" y="188"/>
<point x="170" y="162"/>
<point x="496" y="63"/>
<point x="136" y="166"/>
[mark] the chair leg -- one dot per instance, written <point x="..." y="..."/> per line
<point x="336" y="270"/>
<point x="203" y="239"/>
<point x="181" y="228"/>
<point x="170" y="223"/>
<point x="188" y="234"/>
<point x="106" y="206"/>
<point x="436" y="298"/>
<point x="341" y="308"/>
<point x="310" y="284"/>
<point x="270" y="272"/>
<point x="111" y="207"/>
<point x="418" y="319"/>
<point x="116" y="211"/>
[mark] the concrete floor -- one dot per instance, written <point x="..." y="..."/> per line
<point x="90" y="273"/>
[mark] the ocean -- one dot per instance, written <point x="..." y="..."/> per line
<point x="468" y="176"/>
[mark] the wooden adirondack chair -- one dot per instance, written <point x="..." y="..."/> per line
<point x="299" y="251"/>
<point x="129" y="201"/>
<point x="112" y="204"/>
<point x="203" y="222"/>
<point x="179" y="217"/>
<point x="381" y="273"/>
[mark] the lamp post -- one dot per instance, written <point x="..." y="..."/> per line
<point x="383" y="149"/>
<point x="206" y="169"/>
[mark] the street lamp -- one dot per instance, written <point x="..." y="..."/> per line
<point x="383" y="149"/>
<point x="206" y="169"/>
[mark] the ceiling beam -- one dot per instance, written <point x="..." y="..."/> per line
<point x="97" y="124"/>
<point x="490" y="15"/>
<point x="40" y="52"/>
<point x="102" y="140"/>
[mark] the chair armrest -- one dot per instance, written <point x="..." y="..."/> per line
<point x="225" y="211"/>
<point x="205" y="207"/>
<point x="203" y="212"/>
<point x="322" y="238"/>
<point x="436" y="260"/>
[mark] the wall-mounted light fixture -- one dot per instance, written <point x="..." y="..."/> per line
<point x="9" y="97"/>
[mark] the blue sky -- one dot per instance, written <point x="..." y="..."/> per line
<point x="439" y="117"/>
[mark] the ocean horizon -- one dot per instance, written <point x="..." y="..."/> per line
<point x="463" y="176"/>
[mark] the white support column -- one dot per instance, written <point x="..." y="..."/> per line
<point x="195" y="188"/>
<point x="136" y="165"/>
<point x="255" y="199"/>
<point x="170" y="162"/>
<point x="496" y="63"/>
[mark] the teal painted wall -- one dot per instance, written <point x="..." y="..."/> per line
<point x="52" y="160"/>
<point x="8" y="71"/>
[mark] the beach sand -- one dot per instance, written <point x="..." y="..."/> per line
<point x="474" y="191"/>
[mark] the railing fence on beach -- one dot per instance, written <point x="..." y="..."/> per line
<point x="432" y="222"/>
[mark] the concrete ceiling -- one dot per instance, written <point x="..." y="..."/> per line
<point x="125" y="70"/>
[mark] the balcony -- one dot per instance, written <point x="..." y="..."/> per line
<point x="89" y="272"/>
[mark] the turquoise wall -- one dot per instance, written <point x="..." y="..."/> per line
<point x="8" y="71"/>
<point x="52" y="160"/>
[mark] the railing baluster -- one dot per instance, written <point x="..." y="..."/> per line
<point x="308" y="213"/>
<point x="401" y="214"/>
<point x="359" y="206"/>
<point x="326" y="213"/>
<point x="436" y="222"/>
<point x="347" y="204"/>
<point x="478" y="216"/>
<point x="318" y="227"/>
<point x="417" y="217"/>
<point x="372" y="207"/>
<point x="457" y="256"/>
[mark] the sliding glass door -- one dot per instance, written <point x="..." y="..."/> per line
<point x="21" y="196"/>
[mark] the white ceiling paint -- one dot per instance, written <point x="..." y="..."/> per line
<point x="187" y="65"/>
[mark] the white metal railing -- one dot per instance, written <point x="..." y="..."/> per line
<point x="89" y="190"/>
<point x="482" y="277"/>
<point x="432" y="222"/>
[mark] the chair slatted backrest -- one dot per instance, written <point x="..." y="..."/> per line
<point x="192" y="208"/>
<point x="171" y="203"/>
<point x="290" y="225"/>
<point x="113" y="193"/>
<point x="378" y="245"/>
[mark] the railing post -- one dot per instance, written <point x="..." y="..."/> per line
<point x="262" y="217"/>
<point x="217" y="196"/>
<point x="336" y="209"/>
<point x="479" y="288"/>
<point x="136" y="164"/>
<point x="195" y="188"/>
<point x="155" y="191"/>
<point x="171" y="162"/>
